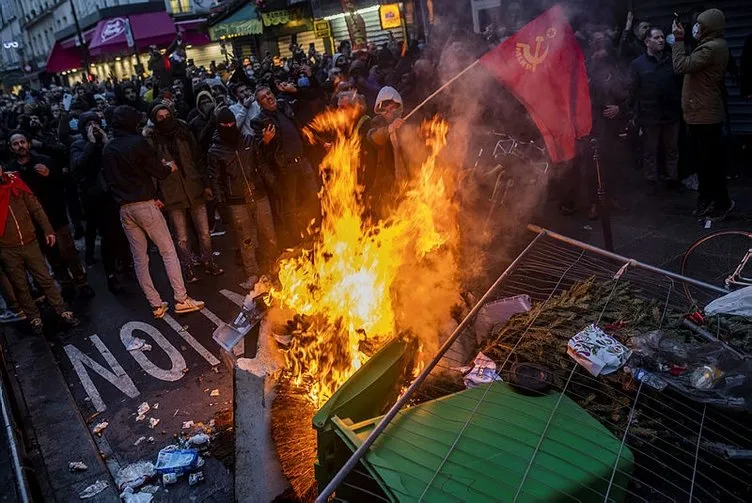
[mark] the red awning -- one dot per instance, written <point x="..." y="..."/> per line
<point x="62" y="59"/>
<point x="155" y="28"/>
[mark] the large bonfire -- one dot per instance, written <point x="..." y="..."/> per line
<point x="364" y="282"/>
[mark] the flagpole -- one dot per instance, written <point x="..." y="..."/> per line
<point x="447" y="84"/>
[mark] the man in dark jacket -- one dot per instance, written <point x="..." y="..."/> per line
<point x="237" y="173"/>
<point x="202" y="125"/>
<point x="39" y="173"/>
<point x="184" y="191"/>
<point x="704" y="71"/>
<point x="19" y="250"/>
<point x="130" y="163"/>
<point x="99" y="206"/>
<point x="655" y="97"/>
<point x="282" y="147"/>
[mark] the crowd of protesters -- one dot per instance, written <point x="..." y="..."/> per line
<point x="662" y="89"/>
<point x="162" y="159"/>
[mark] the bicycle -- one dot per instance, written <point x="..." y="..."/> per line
<point x="723" y="258"/>
<point x="513" y="162"/>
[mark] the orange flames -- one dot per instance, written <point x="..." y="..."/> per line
<point x="354" y="282"/>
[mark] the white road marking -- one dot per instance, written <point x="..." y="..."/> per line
<point x="212" y="317"/>
<point x="235" y="298"/>
<point x="200" y="349"/>
<point x="117" y="377"/>
<point x="175" y="373"/>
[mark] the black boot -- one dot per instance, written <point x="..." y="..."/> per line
<point x="113" y="284"/>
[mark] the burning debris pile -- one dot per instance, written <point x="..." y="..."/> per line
<point x="362" y="282"/>
<point x="352" y="285"/>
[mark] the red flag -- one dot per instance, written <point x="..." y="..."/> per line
<point x="543" y="66"/>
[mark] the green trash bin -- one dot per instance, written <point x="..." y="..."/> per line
<point x="499" y="455"/>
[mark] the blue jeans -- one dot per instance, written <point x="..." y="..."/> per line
<point x="143" y="221"/>
<point x="200" y="219"/>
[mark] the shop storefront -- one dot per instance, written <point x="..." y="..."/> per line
<point x="380" y="21"/>
<point x="117" y="45"/>
<point x="238" y="30"/>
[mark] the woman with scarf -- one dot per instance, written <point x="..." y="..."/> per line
<point x="183" y="192"/>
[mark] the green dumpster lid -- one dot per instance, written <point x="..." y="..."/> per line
<point x="502" y="428"/>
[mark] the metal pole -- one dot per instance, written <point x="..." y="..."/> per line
<point x="620" y="258"/>
<point x="447" y="84"/>
<point x="360" y="452"/>
<point x="605" y="214"/>
<point x="21" y="483"/>
<point x="81" y="42"/>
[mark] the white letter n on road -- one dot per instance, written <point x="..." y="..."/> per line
<point x="117" y="377"/>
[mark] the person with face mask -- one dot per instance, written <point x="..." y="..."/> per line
<point x="703" y="107"/>
<point x="20" y="253"/>
<point x="203" y="124"/>
<point x="99" y="206"/>
<point x="185" y="191"/>
<point x="239" y="177"/>
<point x="383" y="137"/>
<point x="130" y="165"/>
<point x="42" y="175"/>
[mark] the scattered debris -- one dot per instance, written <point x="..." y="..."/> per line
<point x="215" y="392"/>
<point x="128" y="496"/>
<point x="150" y="440"/>
<point x="137" y="344"/>
<point x="176" y="412"/>
<point x="140" y="439"/>
<point x="153" y="421"/>
<point x="201" y="462"/>
<point x="215" y="369"/>
<point x="99" y="428"/>
<point x="77" y="466"/>
<point x="483" y="371"/>
<point x="199" y="439"/>
<point x="188" y="424"/>
<point x="94" y="489"/>
<point x="155" y="406"/>
<point x="185" y="370"/>
<point x="195" y="478"/>
<point x="597" y="352"/>
<point x="142" y="410"/>
<point x="171" y="459"/>
<point x="588" y="227"/>
<point x="169" y="478"/>
<point x="150" y="489"/>
<point x="135" y="475"/>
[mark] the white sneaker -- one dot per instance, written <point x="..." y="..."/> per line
<point x="189" y="305"/>
<point x="11" y="317"/>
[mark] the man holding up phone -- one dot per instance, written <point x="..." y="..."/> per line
<point x="702" y="104"/>
<point x="129" y="165"/>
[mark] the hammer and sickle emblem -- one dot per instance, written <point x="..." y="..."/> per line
<point x="530" y="58"/>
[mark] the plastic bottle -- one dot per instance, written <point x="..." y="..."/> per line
<point x="648" y="378"/>
<point x="705" y="377"/>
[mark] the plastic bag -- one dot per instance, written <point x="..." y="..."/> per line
<point x="134" y="475"/>
<point x="738" y="303"/>
<point x="497" y="313"/>
<point x="597" y="351"/>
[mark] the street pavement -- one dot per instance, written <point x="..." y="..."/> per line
<point x="177" y="376"/>
<point x="182" y="377"/>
